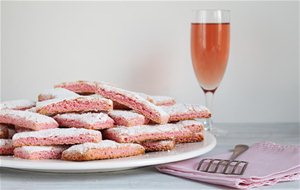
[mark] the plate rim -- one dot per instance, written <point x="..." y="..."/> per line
<point x="89" y="166"/>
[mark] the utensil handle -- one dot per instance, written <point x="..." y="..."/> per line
<point x="238" y="150"/>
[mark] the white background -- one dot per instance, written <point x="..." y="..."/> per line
<point x="144" y="46"/>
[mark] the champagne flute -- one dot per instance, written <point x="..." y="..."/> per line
<point x="210" y="36"/>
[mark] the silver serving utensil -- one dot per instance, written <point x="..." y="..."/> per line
<point x="227" y="167"/>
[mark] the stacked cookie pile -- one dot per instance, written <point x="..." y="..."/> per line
<point x="92" y="120"/>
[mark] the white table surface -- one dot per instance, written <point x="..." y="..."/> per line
<point x="148" y="177"/>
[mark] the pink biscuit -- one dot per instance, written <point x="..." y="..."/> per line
<point x="126" y="118"/>
<point x="39" y="152"/>
<point x="97" y="121"/>
<point x="159" y="100"/>
<point x="56" y="136"/>
<point x="193" y="125"/>
<point x="105" y="149"/>
<point x="6" y="147"/>
<point x="17" y="104"/>
<point x="162" y="100"/>
<point x="80" y="87"/>
<point x="179" y="112"/>
<point x="154" y="146"/>
<point x="3" y="131"/>
<point x="26" y="119"/>
<point x="74" y="104"/>
<point x="134" y="101"/>
<point x="56" y="93"/>
<point x="180" y="132"/>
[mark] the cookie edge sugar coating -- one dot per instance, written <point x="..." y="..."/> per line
<point x="27" y="119"/>
<point x="134" y="101"/>
<point x="127" y="118"/>
<point x="155" y="146"/>
<point x="58" y="136"/>
<point x="54" y="93"/>
<point x="180" y="111"/>
<point x="96" y="121"/>
<point x="21" y="104"/>
<point x="80" y="87"/>
<point x="6" y="147"/>
<point x="58" y="106"/>
<point x="39" y="152"/>
<point x="90" y="151"/>
<point x="181" y="132"/>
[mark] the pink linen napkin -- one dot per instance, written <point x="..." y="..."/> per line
<point x="269" y="163"/>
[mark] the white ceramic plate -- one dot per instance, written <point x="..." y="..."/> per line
<point x="181" y="152"/>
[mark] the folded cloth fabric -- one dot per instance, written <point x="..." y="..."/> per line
<point x="269" y="163"/>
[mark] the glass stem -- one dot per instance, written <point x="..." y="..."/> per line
<point x="208" y="123"/>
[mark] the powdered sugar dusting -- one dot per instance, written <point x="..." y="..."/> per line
<point x="82" y="148"/>
<point x="42" y="104"/>
<point x="80" y="82"/>
<point x="145" y="96"/>
<point x="17" y="104"/>
<point x="125" y="114"/>
<point x="57" y="93"/>
<point x="32" y="149"/>
<point x="165" y="142"/>
<point x="56" y="132"/>
<point x="190" y="122"/>
<point x="90" y="118"/>
<point x="27" y="115"/>
<point x="159" y="100"/>
<point x="183" y="108"/>
<point x="96" y="96"/>
<point x="146" y="129"/>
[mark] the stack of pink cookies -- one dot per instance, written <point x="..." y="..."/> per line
<point x="83" y="120"/>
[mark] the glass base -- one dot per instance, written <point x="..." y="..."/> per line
<point x="211" y="127"/>
<point x="218" y="132"/>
